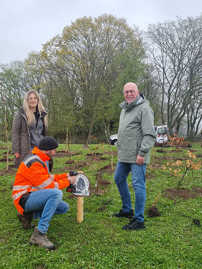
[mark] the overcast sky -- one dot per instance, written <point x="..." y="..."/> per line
<point x="25" y="25"/>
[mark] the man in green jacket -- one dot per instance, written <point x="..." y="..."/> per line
<point x="136" y="136"/>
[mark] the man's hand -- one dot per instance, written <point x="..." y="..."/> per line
<point x="72" y="179"/>
<point x="72" y="176"/>
<point x="140" y="160"/>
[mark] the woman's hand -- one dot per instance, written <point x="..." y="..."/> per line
<point x="17" y="155"/>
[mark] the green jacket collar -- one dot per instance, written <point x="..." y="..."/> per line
<point x="139" y="100"/>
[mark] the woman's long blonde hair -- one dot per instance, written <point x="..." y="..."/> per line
<point x="29" y="113"/>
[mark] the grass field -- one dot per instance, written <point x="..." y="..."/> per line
<point x="171" y="240"/>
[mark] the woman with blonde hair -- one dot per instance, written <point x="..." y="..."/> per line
<point x="29" y="126"/>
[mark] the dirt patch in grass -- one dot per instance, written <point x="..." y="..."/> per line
<point x="106" y="169"/>
<point x="183" y="193"/>
<point x="4" y="159"/>
<point x="155" y="165"/>
<point x="63" y="153"/>
<point x="176" y="158"/>
<point x="161" y="151"/>
<point x="110" y="153"/>
<point x="197" y="190"/>
<point x="94" y="156"/>
<point x="175" y="150"/>
<point x="156" y="158"/>
<point x="170" y="151"/>
<point x="173" y="194"/>
<point x="101" y="184"/>
<point x="75" y="165"/>
<point x="153" y="212"/>
<point x="183" y="146"/>
<point x="99" y="176"/>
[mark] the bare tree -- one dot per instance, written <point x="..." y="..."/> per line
<point x="176" y="52"/>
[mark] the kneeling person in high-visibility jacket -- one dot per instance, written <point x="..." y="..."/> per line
<point x="37" y="193"/>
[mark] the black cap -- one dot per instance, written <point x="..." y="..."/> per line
<point x="48" y="143"/>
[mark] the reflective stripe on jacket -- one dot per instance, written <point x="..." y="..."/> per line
<point x="33" y="175"/>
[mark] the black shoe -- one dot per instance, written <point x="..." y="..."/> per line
<point x="134" y="225"/>
<point x="123" y="214"/>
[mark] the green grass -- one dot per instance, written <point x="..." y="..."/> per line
<point x="169" y="241"/>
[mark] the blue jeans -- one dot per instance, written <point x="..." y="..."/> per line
<point x="45" y="204"/>
<point x="138" y="182"/>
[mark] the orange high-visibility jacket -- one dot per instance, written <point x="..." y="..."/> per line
<point x="33" y="175"/>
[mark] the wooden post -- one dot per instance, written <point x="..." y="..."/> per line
<point x="80" y="201"/>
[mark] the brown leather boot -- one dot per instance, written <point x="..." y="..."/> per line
<point x="41" y="240"/>
<point x="26" y="220"/>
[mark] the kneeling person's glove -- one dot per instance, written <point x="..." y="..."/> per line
<point x="81" y="185"/>
<point x="71" y="187"/>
